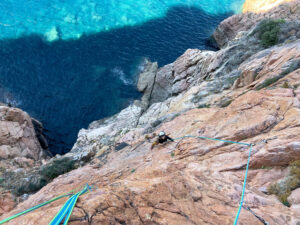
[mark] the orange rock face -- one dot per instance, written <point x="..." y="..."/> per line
<point x="7" y="202"/>
<point x="201" y="183"/>
<point x="258" y="6"/>
<point x="20" y="151"/>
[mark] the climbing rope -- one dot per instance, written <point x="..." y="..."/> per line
<point x="247" y="167"/>
<point x="213" y="139"/>
<point x="35" y="207"/>
<point x="244" y="188"/>
<point x="66" y="210"/>
<point x="71" y="203"/>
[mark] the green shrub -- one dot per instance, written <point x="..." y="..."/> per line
<point x="285" y="188"/>
<point x="295" y="168"/>
<point x="285" y="84"/>
<point x="16" y="183"/>
<point x="226" y="103"/>
<point x="294" y="65"/>
<point x="268" y="32"/>
<point x="268" y="82"/>
<point x="203" y="106"/>
<point x="57" y="167"/>
<point x="272" y="80"/>
<point x="35" y="179"/>
<point x="30" y="186"/>
<point x="8" y="179"/>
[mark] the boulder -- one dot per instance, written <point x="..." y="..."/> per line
<point x="146" y="81"/>
<point x="294" y="198"/>
<point x="18" y="137"/>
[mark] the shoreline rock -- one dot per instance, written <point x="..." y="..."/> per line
<point x="20" y="152"/>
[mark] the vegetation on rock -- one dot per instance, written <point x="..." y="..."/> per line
<point x="204" y="106"/>
<point x="285" y="84"/>
<point x="268" y="32"/>
<point x="284" y="188"/>
<point x="268" y="82"/>
<point x="57" y="167"/>
<point x="294" y="66"/>
<point x="226" y="103"/>
<point x="20" y="183"/>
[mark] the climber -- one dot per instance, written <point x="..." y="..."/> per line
<point x="162" y="138"/>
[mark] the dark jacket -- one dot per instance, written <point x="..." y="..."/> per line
<point x="164" y="138"/>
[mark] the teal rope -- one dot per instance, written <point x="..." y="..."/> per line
<point x="33" y="208"/>
<point x="61" y="213"/>
<point x="213" y="139"/>
<point x="247" y="167"/>
<point x="86" y="189"/>
<point x="70" y="210"/>
<point x="66" y="210"/>
<point x="244" y="187"/>
<point x="72" y="207"/>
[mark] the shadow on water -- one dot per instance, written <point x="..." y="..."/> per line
<point x="68" y="84"/>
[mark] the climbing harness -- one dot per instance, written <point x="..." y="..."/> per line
<point x="254" y="214"/>
<point x="66" y="210"/>
<point x="247" y="167"/>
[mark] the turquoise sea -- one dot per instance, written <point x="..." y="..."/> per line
<point x="68" y="63"/>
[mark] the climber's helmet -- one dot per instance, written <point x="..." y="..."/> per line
<point x="161" y="134"/>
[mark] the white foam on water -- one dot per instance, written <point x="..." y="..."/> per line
<point x="118" y="72"/>
<point x="8" y="98"/>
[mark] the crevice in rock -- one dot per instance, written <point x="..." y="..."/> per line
<point x="180" y="213"/>
<point x="130" y="205"/>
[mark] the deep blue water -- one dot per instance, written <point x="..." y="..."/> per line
<point x="68" y="83"/>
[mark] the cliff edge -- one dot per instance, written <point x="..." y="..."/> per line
<point x="248" y="91"/>
<point x="22" y="148"/>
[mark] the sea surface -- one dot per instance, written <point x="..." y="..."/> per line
<point x="68" y="63"/>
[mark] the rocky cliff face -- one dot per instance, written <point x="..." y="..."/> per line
<point x="233" y="28"/>
<point x="20" y="150"/>
<point x="244" y="92"/>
